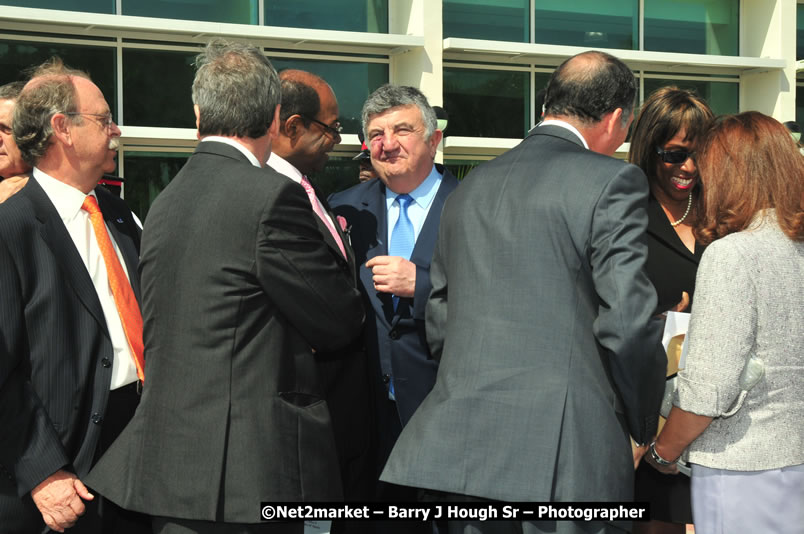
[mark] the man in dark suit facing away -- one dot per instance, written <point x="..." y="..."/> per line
<point x="240" y="291"/>
<point x="541" y="317"/>
<point x="71" y="357"/>
<point x="394" y="222"/>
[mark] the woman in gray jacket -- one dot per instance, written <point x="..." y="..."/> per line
<point x="739" y="407"/>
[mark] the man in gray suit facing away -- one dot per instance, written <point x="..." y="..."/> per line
<point x="541" y="317"/>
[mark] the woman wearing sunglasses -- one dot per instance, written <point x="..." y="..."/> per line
<point x="740" y="400"/>
<point x="665" y="138"/>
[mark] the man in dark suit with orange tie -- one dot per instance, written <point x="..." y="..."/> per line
<point x="240" y="295"/>
<point x="71" y="355"/>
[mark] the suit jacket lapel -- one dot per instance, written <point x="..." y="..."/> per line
<point x="65" y="255"/>
<point x="116" y="223"/>
<point x="662" y="230"/>
<point x="425" y="243"/>
<point x="350" y="256"/>
<point x="374" y="203"/>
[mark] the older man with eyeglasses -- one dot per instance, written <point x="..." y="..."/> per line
<point x="71" y="352"/>
<point x="13" y="169"/>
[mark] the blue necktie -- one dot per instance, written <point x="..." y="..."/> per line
<point x="402" y="238"/>
<point x="402" y="242"/>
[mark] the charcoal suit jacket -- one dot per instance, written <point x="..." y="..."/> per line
<point x="240" y="292"/>
<point x="542" y="318"/>
<point x="55" y="352"/>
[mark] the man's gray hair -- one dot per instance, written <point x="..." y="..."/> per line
<point x="11" y="91"/>
<point x="392" y="96"/>
<point x="50" y="91"/>
<point x="236" y="90"/>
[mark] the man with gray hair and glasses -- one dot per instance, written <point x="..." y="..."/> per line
<point x="71" y="356"/>
<point x="240" y="294"/>
<point x="394" y="224"/>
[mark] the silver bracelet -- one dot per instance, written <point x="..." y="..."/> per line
<point x="655" y="456"/>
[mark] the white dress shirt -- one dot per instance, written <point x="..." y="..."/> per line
<point x="420" y="206"/>
<point x="232" y="143"/>
<point x="68" y="200"/>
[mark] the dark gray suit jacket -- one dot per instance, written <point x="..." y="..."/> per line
<point x="55" y="351"/>
<point x="239" y="289"/>
<point x="395" y="339"/>
<point x="541" y="316"/>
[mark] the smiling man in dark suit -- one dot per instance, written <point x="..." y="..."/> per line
<point x="70" y="324"/>
<point x="240" y="291"/>
<point x="542" y="317"/>
<point x="394" y="223"/>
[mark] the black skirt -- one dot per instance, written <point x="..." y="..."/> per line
<point x="668" y="495"/>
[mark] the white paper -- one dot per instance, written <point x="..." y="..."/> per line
<point x="677" y="323"/>
<point x="317" y="527"/>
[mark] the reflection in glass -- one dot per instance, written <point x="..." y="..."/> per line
<point x="339" y="173"/>
<point x="588" y="23"/>
<point x="722" y="97"/>
<point x="497" y="20"/>
<point x="800" y="32"/>
<point x="487" y="103"/>
<point x="461" y="167"/>
<point x="92" y="6"/>
<point x="345" y="15"/>
<point x="694" y="27"/>
<point x="351" y="82"/>
<point x="147" y="174"/>
<point x="98" y="62"/>
<point x="234" y="11"/>
<point x="157" y="88"/>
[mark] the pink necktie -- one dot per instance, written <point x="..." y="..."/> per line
<point x="320" y="212"/>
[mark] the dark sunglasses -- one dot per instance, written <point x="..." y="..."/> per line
<point x="674" y="157"/>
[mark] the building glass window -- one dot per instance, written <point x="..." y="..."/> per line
<point x="339" y="173"/>
<point x="97" y="61"/>
<point x="170" y="74"/>
<point x="91" y="6"/>
<point x="146" y="175"/>
<point x="800" y="32"/>
<point x="694" y="27"/>
<point x="496" y="20"/>
<point x="352" y="82"/>
<point x="234" y="11"/>
<point x="800" y="105"/>
<point x="588" y="23"/>
<point x="722" y="97"/>
<point x="487" y="103"/>
<point x="345" y="15"/>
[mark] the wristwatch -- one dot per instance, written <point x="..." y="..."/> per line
<point x="655" y="456"/>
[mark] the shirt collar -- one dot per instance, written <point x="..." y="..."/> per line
<point x="566" y="126"/>
<point x="423" y="195"/>
<point x="65" y="198"/>
<point x="283" y="166"/>
<point x="231" y="142"/>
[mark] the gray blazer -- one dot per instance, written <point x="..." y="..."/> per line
<point x="541" y="316"/>
<point x="749" y="300"/>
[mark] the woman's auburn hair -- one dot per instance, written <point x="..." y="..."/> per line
<point x="748" y="162"/>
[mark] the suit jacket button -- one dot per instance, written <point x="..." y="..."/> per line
<point x="394" y="334"/>
<point x="106" y="362"/>
<point x="386" y="379"/>
<point x="96" y="418"/>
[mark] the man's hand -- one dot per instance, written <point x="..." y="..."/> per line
<point x="11" y="185"/>
<point x="683" y="303"/>
<point x="393" y="274"/>
<point x="639" y="452"/>
<point x="58" y="498"/>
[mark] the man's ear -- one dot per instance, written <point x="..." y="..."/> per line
<point x="614" y="121"/>
<point x="61" y="128"/>
<point x="293" y="127"/>
<point x="435" y="139"/>
<point x="273" y="130"/>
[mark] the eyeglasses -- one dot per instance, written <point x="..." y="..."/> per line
<point x="674" y="157"/>
<point x="105" y="121"/>
<point x="333" y="130"/>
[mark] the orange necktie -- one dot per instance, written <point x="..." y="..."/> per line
<point x="124" y="299"/>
